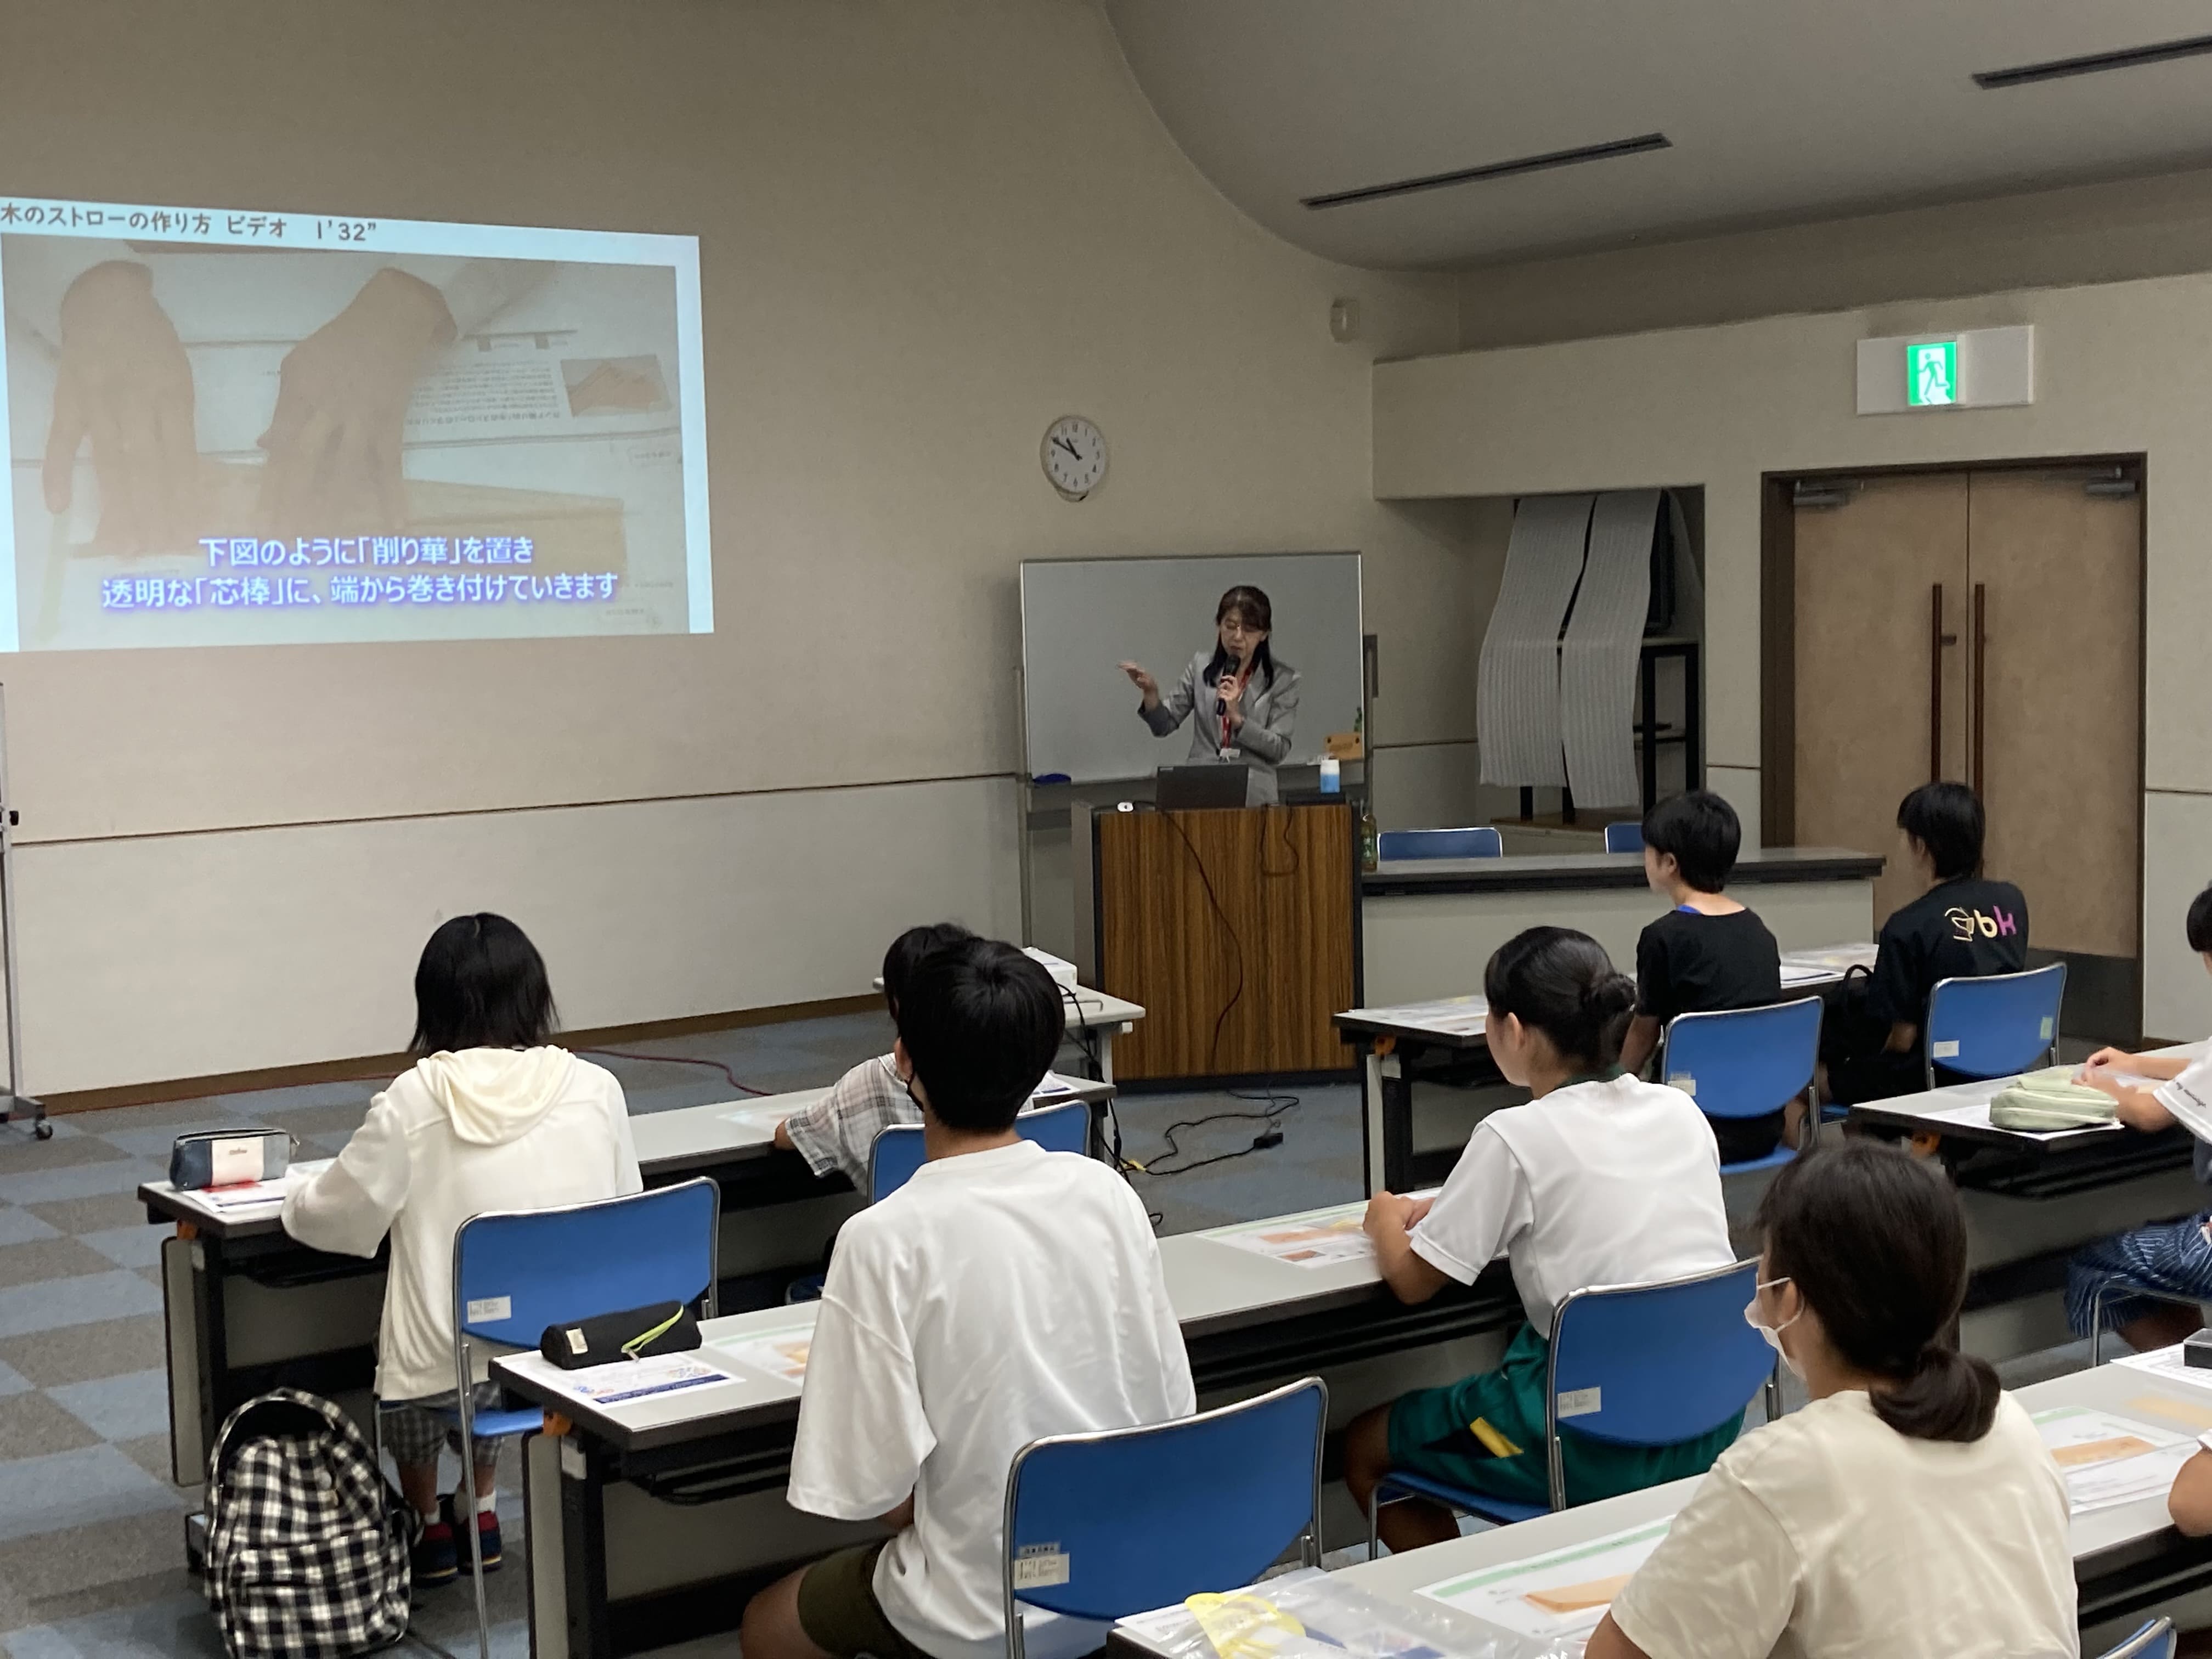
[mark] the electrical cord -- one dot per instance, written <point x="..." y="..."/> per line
<point x="1269" y="1137"/>
<point x="677" y="1060"/>
<point x="1213" y="899"/>
<point x="1086" y="1044"/>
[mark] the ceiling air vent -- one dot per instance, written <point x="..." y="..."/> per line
<point x="2096" y="63"/>
<point x="1544" y="163"/>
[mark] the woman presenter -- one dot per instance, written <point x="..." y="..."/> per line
<point x="1242" y="702"/>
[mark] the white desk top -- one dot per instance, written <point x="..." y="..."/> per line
<point x="1087" y="1007"/>
<point x="1961" y="1109"/>
<point x="1212" y="1283"/>
<point x="2178" y="1409"/>
<point x="1826" y="964"/>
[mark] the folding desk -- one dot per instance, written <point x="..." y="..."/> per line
<point x="2032" y="1200"/>
<point x="246" y="1304"/>
<point x="2128" y="1560"/>
<point x="1447" y="1033"/>
<point x="651" y="1521"/>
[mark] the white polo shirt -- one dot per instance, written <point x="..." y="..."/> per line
<point x="995" y="1298"/>
<point x="1601" y="1182"/>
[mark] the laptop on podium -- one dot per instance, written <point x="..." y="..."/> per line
<point x="1195" y="788"/>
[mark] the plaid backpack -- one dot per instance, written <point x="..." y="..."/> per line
<point x="307" y="1542"/>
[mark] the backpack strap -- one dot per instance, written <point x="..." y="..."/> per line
<point x="279" y="1412"/>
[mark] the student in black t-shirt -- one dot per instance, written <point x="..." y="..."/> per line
<point x="1708" y="951"/>
<point x="1962" y="927"/>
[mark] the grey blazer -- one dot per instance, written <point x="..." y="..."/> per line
<point x="1262" y="743"/>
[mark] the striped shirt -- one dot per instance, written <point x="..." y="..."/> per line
<point x="839" y="1131"/>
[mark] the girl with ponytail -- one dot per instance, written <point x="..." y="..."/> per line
<point x="1601" y="1179"/>
<point x="1910" y="1509"/>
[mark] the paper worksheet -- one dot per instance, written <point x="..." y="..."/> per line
<point x="254" y="1194"/>
<point x="780" y="1353"/>
<point x="1318" y="1238"/>
<point x="762" y="1117"/>
<point x="635" y="1379"/>
<point x="2167" y="1364"/>
<point x="2110" y="1460"/>
<point x="1558" y="1595"/>
<point x="1825" y="962"/>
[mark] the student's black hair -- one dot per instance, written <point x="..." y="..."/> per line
<point x="1702" y="831"/>
<point x="481" y="984"/>
<point x="1562" y="983"/>
<point x="1947" y="819"/>
<point x="1875" y="1243"/>
<point x="1252" y="604"/>
<point x="909" y="948"/>
<point x="980" y="1021"/>
<point x="2200" y="922"/>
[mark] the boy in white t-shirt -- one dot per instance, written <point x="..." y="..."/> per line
<point x="838" y="1131"/>
<point x="1601" y="1179"/>
<point x="2174" y="1256"/>
<point x="1003" y="1294"/>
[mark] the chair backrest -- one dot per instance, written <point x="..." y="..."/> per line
<point x="1099" y="1526"/>
<point x="1484" y="843"/>
<point x="517" y="1271"/>
<point x="897" y="1152"/>
<point x="2155" y="1640"/>
<point x="1651" y="1364"/>
<point x="1626" y="836"/>
<point x="1997" y="1024"/>
<point x="1744" y="1063"/>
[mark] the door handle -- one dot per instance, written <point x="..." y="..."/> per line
<point x="1937" y="639"/>
<point x="1981" y="674"/>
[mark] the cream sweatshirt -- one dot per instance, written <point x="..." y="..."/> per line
<point x="458" y="1135"/>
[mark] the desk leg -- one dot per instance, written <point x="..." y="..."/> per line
<point x="1106" y="1034"/>
<point x="544" y="1558"/>
<point x="1385" y="1124"/>
<point x="583" y="1564"/>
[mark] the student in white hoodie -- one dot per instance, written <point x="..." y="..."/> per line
<point x="491" y="1118"/>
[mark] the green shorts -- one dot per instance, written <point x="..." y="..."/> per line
<point x="1486" y="1433"/>
<point x="839" y="1612"/>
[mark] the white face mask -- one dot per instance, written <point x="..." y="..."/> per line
<point x="1773" y="1332"/>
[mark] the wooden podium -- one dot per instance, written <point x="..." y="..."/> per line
<point x="1237" y="930"/>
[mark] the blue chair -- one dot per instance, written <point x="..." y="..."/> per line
<point x="1626" y="836"/>
<point x="1748" y="1062"/>
<point x="1638" y="1365"/>
<point x="1100" y="1526"/>
<point x="523" y="1270"/>
<point x="1995" y="1025"/>
<point x="1482" y="843"/>
<point x="897" y="1153"/>
<point x="2155" y="1640"/>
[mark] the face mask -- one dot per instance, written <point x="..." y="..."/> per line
<point x="1773" y="1332"/>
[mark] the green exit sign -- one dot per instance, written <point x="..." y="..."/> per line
<point x="1931" y="373"/>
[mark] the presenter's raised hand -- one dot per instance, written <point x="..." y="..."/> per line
<point x="125" y="382"/>
<point x="1147" y="687"/>
<point x="334" y="444"/>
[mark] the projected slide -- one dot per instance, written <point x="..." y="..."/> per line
<point x="230" y="427"/>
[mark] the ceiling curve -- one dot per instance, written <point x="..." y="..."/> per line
<point x="1763" y="110"/>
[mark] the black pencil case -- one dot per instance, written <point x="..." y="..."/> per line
<point x="635" y="1333"/>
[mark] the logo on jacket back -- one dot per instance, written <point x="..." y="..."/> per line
<point x="1966" y="924"/>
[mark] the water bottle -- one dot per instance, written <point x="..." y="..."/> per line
<point x="1332" y="775"/>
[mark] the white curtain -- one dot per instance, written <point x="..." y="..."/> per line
<point x="1518" y="681"/>
<point x="1598" y="658"/>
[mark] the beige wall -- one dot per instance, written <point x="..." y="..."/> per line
<point x="2103" y="233"/>
<point x="2121" y="367"/>
<point x="925" y="230"/>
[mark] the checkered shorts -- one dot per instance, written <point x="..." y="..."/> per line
<point x="413" y="1433"/>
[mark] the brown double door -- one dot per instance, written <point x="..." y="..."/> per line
<point x="1984" y="626"/>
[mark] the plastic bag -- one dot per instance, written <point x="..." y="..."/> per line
<point x="1311" y="1614"/>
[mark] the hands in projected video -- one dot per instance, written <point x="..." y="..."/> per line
<point x="334" y="444"/>
<point x="125" y="381"/>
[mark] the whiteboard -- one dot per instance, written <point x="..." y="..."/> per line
<point x="1080" y="618"/>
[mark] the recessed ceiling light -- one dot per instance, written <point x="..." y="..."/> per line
<point x="2096" y="62"/>
<point x="1556" y="158"/>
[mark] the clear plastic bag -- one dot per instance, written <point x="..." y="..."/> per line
<point x="1311" y="1614"/>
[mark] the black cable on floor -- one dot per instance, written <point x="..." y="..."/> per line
<point x="676" y="1060"/>
<point x="1260" y="1143"/>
